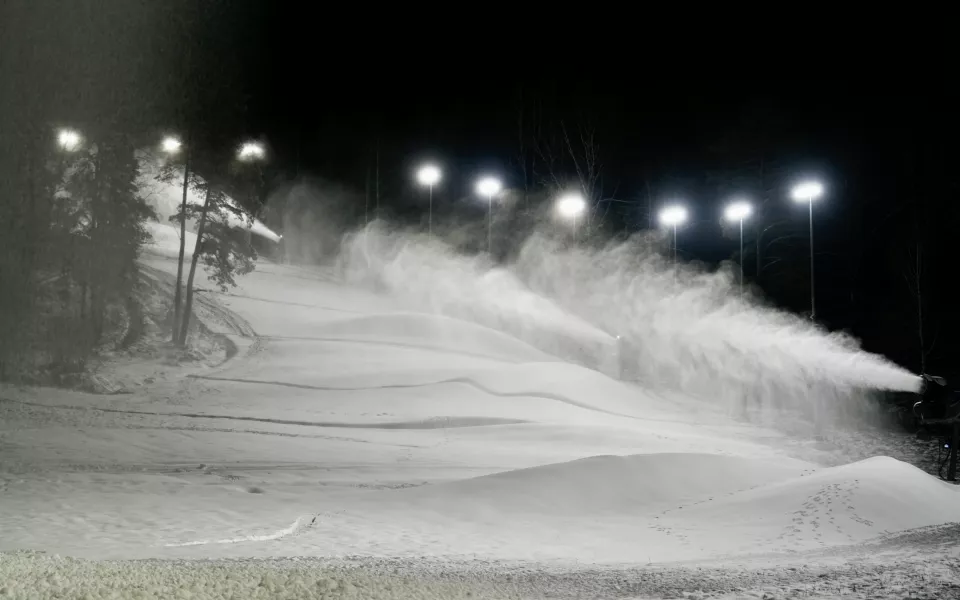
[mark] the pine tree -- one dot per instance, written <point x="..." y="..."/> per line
<point x="225" y="250"/>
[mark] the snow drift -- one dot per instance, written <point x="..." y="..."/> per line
<point x="633" y="485"/>
<point x="640" y="509"/>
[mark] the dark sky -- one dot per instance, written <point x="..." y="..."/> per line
<point x="325" y="92"/>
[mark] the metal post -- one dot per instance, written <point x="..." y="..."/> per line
<point x="813" y="296"/>
<point x="177" y="302"/>
<point x="954" y="448"/>
<point x="674" y="246"/>
<point x="430" y="217"/>
<point x="621" y="359"/>
<point x="490" y="224"/>
<point x="741" y="259"/>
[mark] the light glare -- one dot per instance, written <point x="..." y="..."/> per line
<point x="170" y="145"/>
<point x="672" y="216"/>
<point x="68" y="139"/>
<point x="488" y="187"/>
<point x="738" y="211"/>
<point x="571" y="205"/>
<point x="808" y="191"/>
<point x="251" y="151"/>
<point x="428" y="175"/>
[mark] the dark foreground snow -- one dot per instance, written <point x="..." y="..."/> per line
<point x="920" y="564"/>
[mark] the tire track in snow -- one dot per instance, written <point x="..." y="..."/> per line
<point x="432" y="423"/>
<point x="427" y="348"/>
<point x="453" y="380"/>
<point x="335" y="438"/>
<point x="232" y="321"/>
<point x="285" y="302"/>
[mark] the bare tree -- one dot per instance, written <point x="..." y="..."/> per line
<point x="568" y="156"/>
<point x="913" y="276"/>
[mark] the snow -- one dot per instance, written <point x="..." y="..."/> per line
<point x="166" y="197"/>
<point x="447" y="441"/>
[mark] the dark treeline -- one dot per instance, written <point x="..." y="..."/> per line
<point x="72" y="219"/>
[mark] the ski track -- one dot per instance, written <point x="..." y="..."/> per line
<point x="439" y="349"/>
<point x="286" y="302"/>
<point x="335" y="438"/>
<point x="432" y="423"/>
<point x="453" y="380"/>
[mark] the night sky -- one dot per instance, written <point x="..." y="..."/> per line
<point x="325" y="99"/>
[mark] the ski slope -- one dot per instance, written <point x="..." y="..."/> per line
<point x="356" y="423"/>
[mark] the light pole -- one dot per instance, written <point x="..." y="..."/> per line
<point x="673" y="216"/>
<point x="571" y="206"/>
<point x="69" y="140"/>
<point x="171" y="146"/>
<point x="738" y="211"/>
<point x="429" y="175"/>
<point x="251" y="152"/>
<point x="489" y="187"/>
<point x="808" y="191"/>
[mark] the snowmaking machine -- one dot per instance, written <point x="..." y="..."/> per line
<point x="938" y="415"/>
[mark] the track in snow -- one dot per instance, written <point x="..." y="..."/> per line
<point x="432" y="423"/>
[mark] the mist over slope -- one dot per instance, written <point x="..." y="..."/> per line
<point x="681" y="329"/>
<point x="165" y="197"/>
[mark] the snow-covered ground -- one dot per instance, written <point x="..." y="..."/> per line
<point x="357" y="427"/>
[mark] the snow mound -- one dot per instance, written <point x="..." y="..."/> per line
<point x="435" y="331"/>
<point x="601" y="484"/>
<point x="843" y="504"/>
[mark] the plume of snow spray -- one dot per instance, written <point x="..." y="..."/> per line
<point x="680" y="329"/>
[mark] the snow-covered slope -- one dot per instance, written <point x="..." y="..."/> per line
<point x="364" y="423"/>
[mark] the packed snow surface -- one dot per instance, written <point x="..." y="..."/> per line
<point x="418" y="406"/>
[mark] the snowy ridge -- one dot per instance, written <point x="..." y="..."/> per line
<point x="604" y="484"/>
<point x="660" y="508"/>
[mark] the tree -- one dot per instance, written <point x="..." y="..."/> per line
<point x="79" y="226"/>
<point x="117" y="226"/>
<point x="226" y="250"/>
<point x="913" y="276"/>
<point x="564" y="155"/>
<point x="170" y="173"/>
<point x="26" y="187"/>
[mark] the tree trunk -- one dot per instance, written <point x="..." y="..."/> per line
<point x="954" y="449"/>
<point x="83" y="299"/>
<point x="918" y="272"/>
<point x="188" y="305"/>
<point x="183" y="245"/>
<point x="759" y="234"/>
<point x="97" y="311"/>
